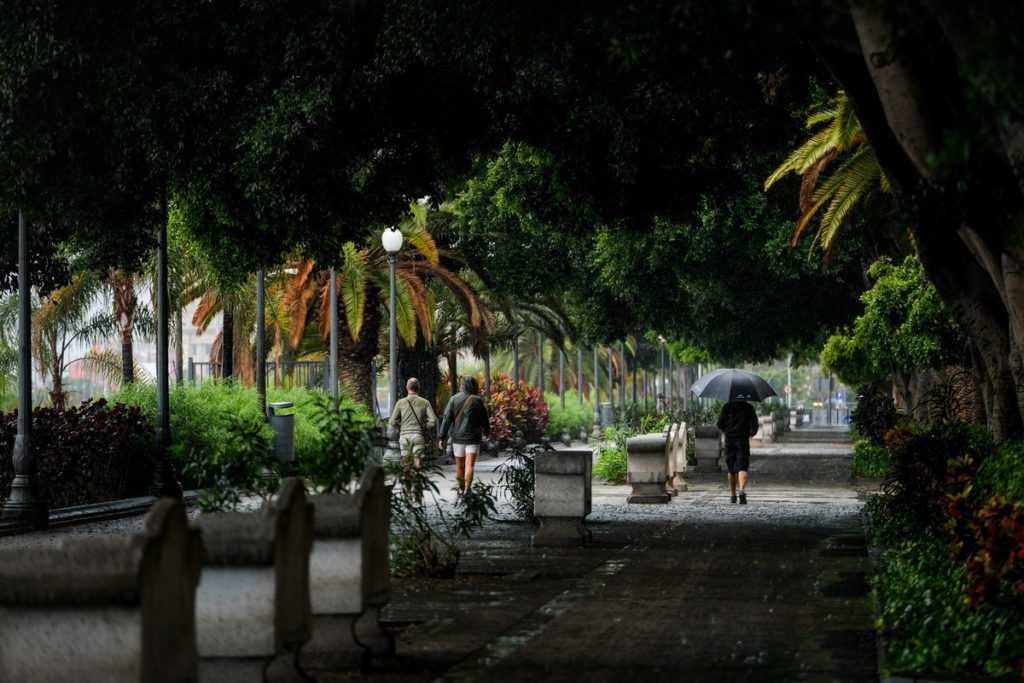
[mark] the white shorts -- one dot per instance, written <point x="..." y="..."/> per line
<point x="462" y="448"/>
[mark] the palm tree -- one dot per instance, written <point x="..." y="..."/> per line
<point x="362" y="283"/>
<point x="855" y="182"/>
<point x="63" y="320"/>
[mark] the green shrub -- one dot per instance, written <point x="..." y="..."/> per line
<point x="611" y="455"/>
<point x="517" y="482"/>
<point x="197" y="427"/>
<point x="870" y="460"/>
<point x="576" y="417"/>
<point x="931" y="628"/>
<point x="875" y="414"/>
<point x="1002" y="473"/>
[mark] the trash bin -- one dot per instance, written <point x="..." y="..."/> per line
<point x="606" y="415"/>
<point x="284" y="431"/>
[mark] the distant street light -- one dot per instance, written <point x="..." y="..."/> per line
<point x="392" y="241"/>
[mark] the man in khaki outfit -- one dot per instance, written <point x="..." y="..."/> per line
<point x="414" y="419"/>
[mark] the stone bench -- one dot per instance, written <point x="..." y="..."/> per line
<point x="677" y="458"/>
<point x="707" y="448"/>
<point x="108" y="608"/>
<point x="563" y="485"/>
<point x="350" y="574"/>
<point x="647" y="468"/>
<point x="253" y="607"/>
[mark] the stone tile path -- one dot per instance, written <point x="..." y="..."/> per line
<point x="698" y="589"/>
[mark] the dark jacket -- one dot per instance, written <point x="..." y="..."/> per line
<point x="738" y="420"/>
<point x="473" y="424"/>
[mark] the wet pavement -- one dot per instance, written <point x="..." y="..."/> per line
<point x="697" y="589"/>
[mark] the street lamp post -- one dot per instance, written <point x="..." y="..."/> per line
<point x="26" y="504"/>
<point x="597" y="397"/>
<point x="392" y="240"/>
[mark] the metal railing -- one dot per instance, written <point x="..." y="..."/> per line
<point x="311" y="374"/>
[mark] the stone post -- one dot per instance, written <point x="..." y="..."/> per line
<point x="646" y="467"/>
<point x="562" y="497"/>
<point x="708" y="448"/>
<point x="679" y="453"/>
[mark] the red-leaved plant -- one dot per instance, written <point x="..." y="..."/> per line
<point x="516" y="409"/>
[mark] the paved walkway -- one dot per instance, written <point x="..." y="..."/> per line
<point x="698" y="589"/>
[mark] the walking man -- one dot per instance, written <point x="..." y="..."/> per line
<point x="414" y="419"/>
<point x="739" y="422"/>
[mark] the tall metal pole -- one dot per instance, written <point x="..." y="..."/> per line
<point x="646" y="407"/>
<point x="611" y="379"/>
<point x="26" y="503"/>
<point x="179" y="350"/>
<point x="561" y="377"/>
<point x="333" y="302"/>
<point x="515" y="361"/>
<point x="596" y="391"/>
<point x="261" y="355"/>
<point x="487" y="372"/>
<point x="622" y="373"/>
<point x="579" y="374"/>
<point x="671" y="383"/>
<point x="540" y="363"/>
<point x="661" y="392"/>
<point x="165" y="480"/>
<point x="393" y="367"/>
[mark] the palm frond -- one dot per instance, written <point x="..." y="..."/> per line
<point x="107" y="364"/>
<point x="812" y="151"/>
<point x="352" y="287"/>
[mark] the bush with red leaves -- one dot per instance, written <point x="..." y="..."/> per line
<point x="86" y="454"/>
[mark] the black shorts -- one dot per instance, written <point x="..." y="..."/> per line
<point x="737" y="456"/>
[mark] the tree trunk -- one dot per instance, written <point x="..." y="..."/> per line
<point x="419" y="361"/>
<point x="905" y="90"/>
<point x="227" y="346"/>
<point x="355" y="356"/>
<point x="125" y="305"/>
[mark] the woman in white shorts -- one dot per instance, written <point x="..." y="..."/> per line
<point x="466" y="422"/>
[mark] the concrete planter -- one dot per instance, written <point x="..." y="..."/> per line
<point x="647" y="468"/>
<point x="562" y="497"/>
<point x="708" y="448"/>
<point x="350" y="574"/>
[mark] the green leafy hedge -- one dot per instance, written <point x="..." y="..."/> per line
<point x="575" y="416"/>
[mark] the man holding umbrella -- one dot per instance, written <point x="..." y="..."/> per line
<point x="737" y="420"/>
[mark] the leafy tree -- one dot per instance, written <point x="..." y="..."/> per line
<point x="905" y="329"/>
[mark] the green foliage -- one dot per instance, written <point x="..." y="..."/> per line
<point x="517" y="481"/>
<point x="194" y="415"/>
<point x="928" y="624"/>
<point x="343" y="447"/>
<point x="516" y="410"/>
<point x="870" y="460"/>
<point x="1002" y="473"/>
<point x="904" y="326"/>
<point x="89" y="453"/>
<point x="574" y="418"/>
<point x="424" y="535"/>
<point x="875" y="414"/>
<point x="241" y="470"/>
<point x="852" y="358"/>
<point x="611" y="455"/>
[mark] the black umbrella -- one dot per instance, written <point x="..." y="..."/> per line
<point x="730" y="384"/>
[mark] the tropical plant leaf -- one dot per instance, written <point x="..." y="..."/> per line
<point x="352" y="288"/>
